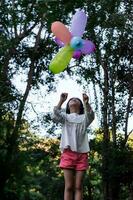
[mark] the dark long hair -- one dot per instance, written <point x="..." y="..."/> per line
<point x="81" y="106"/>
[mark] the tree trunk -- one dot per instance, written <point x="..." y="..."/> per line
<point x="12" y="148"/>
<point x="127" y="115"/>
<point x="106" y="135"/>
<point x="113" y="106"/>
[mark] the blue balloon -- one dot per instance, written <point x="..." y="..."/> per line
<point x="76" y="43"/>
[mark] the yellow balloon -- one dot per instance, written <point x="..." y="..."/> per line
<point x="61" y="60"/>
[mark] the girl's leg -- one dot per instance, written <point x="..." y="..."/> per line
<point x="78" y="185"/>
<point x="69" y="184"/>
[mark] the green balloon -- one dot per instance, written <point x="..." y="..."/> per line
<point x="61" y="60"/>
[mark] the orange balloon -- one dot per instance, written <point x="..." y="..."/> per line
<point x="61" y="32"/>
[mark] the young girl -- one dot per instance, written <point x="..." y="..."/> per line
<point x="74" y="142"/>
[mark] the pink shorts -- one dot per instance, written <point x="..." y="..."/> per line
<point x="74" y="160"/>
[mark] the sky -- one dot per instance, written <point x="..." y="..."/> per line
<point x="44" y="104"/>
<point x="39" y="102"/>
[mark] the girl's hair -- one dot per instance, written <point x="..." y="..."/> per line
<point x="81" y="106"/>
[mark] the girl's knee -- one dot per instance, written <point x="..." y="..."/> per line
<point x="78" y="187"/>
<point x="69" y="187"/>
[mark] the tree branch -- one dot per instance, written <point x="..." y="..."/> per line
<point x="27" y="90"/>
<point x="127" y="115"/>
<point x="105" y="106"/>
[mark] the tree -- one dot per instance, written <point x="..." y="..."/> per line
<point x="111" y="73"/>
<point x="26" y="47"/>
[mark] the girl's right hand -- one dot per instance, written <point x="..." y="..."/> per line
<point x="63" y="97"/>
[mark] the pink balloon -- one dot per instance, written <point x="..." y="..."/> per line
<point x="61" y="32"/>
<point x="77" y="54"/>
<point x="88" y="47"/>
<point x="57" y="41"/>
<point x="78" y="25"/>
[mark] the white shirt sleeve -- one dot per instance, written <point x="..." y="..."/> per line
<point x="58" y="115"/>
<point x="89" y="116"/>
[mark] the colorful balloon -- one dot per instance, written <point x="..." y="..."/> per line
<point x="72" y="43"/>
<point x="76" y="43"/>
<point x="88" y="47"/>
<point x="77" y="54"/>
<point x="78" y="25"/>
<point x="61" y="32"/>
<point x="61" y="60"/>
<point x="57" y="41"/>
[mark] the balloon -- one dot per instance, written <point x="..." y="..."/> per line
<point x="88" y="47"/>
<point x="77" y="54"/>
<point x="61" y="60"/>
<point x="60" y="44"/>
<point x="61" y="32"/>
<point x="78" y="25"/>
<point x="72" y="43"/>
<point x="76" y="43"/>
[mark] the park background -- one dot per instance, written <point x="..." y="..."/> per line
<point x="29" y="140"/>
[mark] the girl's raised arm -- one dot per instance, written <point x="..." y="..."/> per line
<point x="63" y="98"/>
<point x="59" y="116"/>
<point x="88" y="110"/>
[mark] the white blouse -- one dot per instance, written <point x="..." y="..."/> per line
<point x="74" y="127"/>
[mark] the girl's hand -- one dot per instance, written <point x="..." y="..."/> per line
<point x="63" y="97"/>
<point x="85" y="98"/>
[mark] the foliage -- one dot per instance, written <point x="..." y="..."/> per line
<point x="29" y="164"/>
<point x="36" y="173"/>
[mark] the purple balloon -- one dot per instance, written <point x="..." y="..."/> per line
<point x="77" y="54"/>
<point x="78" y="25"/>
<point x="88" y="47"/>
<point x="60" y="43"/>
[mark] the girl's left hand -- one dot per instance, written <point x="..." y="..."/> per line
<point x="85" y="98"/>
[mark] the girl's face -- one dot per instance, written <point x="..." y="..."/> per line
<point x="74" y="102"/>
<point x="75" y="105"/>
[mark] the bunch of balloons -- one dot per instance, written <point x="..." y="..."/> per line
<point x="71" y="42"/>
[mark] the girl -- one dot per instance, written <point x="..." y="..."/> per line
<point x="74" y="142"/>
